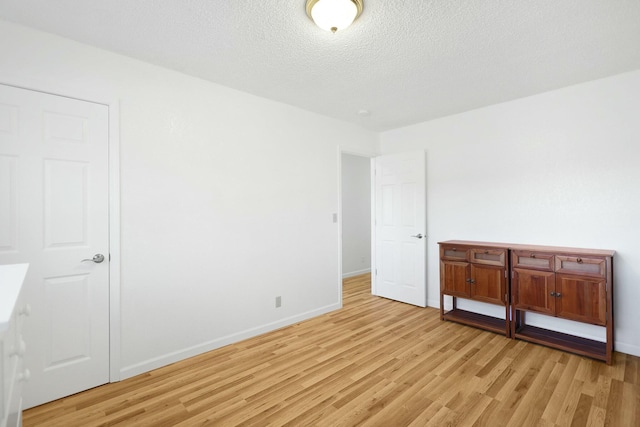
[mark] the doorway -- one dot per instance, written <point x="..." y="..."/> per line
<point x="356" y="214"/>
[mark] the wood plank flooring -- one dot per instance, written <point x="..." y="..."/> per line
<point x="375" y="362"/>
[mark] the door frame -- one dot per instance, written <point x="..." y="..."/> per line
<point x="374" y="260"/>
<point x="113" y="105"/>
<point x="371" y="156"/>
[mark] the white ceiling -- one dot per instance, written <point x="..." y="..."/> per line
<point x="405" y="61"/>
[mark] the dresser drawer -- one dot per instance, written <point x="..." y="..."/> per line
<point x="12" y="347"/>
<point x="9" y="365"/>
<point x="533" y="260"/>
<point x="14" y="400"/>
<point x="489" y="256"/>
<point x="581" y="265"/>
<point x="454" y="253"/>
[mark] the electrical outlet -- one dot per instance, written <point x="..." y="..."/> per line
<point x="278" y="302"/>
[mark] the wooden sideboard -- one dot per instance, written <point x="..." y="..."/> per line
<point x="476" y="272"/>
<point x="568" y="283"/>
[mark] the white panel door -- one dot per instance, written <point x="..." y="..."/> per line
<point x="400" y="225"/>
<point x="54" y="214"/>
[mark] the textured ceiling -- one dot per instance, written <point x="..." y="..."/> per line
<point x="405" y="61"/>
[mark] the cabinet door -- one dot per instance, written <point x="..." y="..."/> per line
<point x="454" y="278"/>
<point x="534" y="291"/>
<point x="488" y="284"/>
<point x="581" y="298"/>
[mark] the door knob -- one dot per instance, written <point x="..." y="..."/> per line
<point x="97" y="258"/>
<point x="418" y="236"/>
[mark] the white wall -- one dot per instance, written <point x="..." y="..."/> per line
<point x="561" y="168"/>
<point x="356" y="215"/>
<point x="226" y="198"/>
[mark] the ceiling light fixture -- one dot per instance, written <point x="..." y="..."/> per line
<point x="334" y="15"/>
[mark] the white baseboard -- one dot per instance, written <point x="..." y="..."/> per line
<point x="633" y="350"/>
<point x="355" y="273"/>
<point x="167" y="359"/>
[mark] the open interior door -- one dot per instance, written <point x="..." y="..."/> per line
<point x="399" y="240"/>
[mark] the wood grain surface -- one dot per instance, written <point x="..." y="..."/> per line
<point x="375" y="362"/>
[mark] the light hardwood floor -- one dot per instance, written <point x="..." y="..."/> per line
<point x="375" y="362"/>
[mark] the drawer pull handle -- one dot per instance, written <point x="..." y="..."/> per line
<point x="579" y="260"/>
<point x="453" y="249"/>
<point x="532" y="255"/>
<point x="486" y="252"/>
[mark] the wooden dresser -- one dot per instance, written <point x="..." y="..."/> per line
<point x="568" y="283"/>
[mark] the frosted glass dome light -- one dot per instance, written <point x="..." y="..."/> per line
<point x="334" y="15"/>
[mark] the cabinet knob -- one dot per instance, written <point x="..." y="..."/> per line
<point x="579" y="260"/>
<point x="20" y="350"/>
<point x="472" y="281"/>
<point x="532" y="255"/>
<point x="25" y="376"/>
<point x="25" y="310"/>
